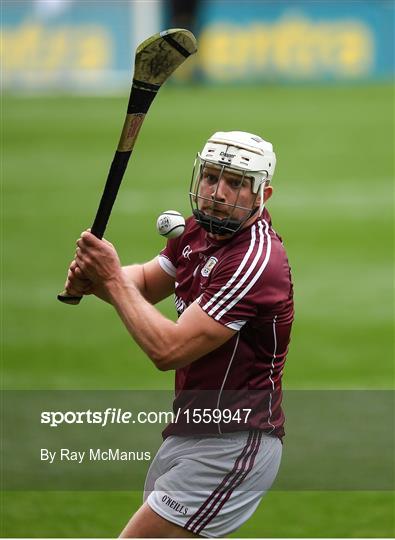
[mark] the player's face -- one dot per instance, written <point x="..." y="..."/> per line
<point x="225" y="194"/>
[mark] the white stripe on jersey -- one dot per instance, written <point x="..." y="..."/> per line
<point x="254" y="280"/>
<point x="271" y="372"/>
<point x="240" y="268"/>
<point x="246" y="275"/>
<point x="226" y="375"/>
<point x="236" y="325"/>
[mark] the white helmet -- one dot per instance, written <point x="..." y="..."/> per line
<point x="240" y="153"/>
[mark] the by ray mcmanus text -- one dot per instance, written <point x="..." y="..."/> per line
<point x="92" y="454"/>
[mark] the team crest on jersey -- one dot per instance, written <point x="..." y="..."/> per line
<point x="209" y="266"/>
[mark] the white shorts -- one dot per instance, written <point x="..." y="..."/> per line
<point x="211" y="485"/>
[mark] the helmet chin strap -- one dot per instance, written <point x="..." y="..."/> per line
<point x="219" y="226"/>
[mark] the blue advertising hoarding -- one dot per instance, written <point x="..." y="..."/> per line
<point x="71" y="45"/>
<point x="66" y="44"/>
<point x="259" y="40"/>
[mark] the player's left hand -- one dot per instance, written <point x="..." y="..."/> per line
<point x="97" y="259"/>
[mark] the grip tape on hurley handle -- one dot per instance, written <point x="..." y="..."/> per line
<point x="68" y="299"/>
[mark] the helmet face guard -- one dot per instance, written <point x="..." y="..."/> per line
<point x="237" y="153"/>
<point x="205" y="207"/>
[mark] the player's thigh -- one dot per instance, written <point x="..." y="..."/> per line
<point x="147" y="524"/>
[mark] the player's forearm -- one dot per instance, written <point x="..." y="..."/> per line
<point x="159" y="337"/>
<point x="133" y="274"/>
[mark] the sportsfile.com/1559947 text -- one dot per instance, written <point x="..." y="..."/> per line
<point x="114" y="415"/>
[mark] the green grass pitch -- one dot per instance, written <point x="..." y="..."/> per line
<point x="332" y="205"/>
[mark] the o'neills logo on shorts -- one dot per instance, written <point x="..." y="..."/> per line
<point x="178" y="507"/>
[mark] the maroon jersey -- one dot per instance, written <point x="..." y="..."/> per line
<point x="245" y="284"/>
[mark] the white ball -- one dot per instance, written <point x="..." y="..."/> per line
<point x="170" y="224"/>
